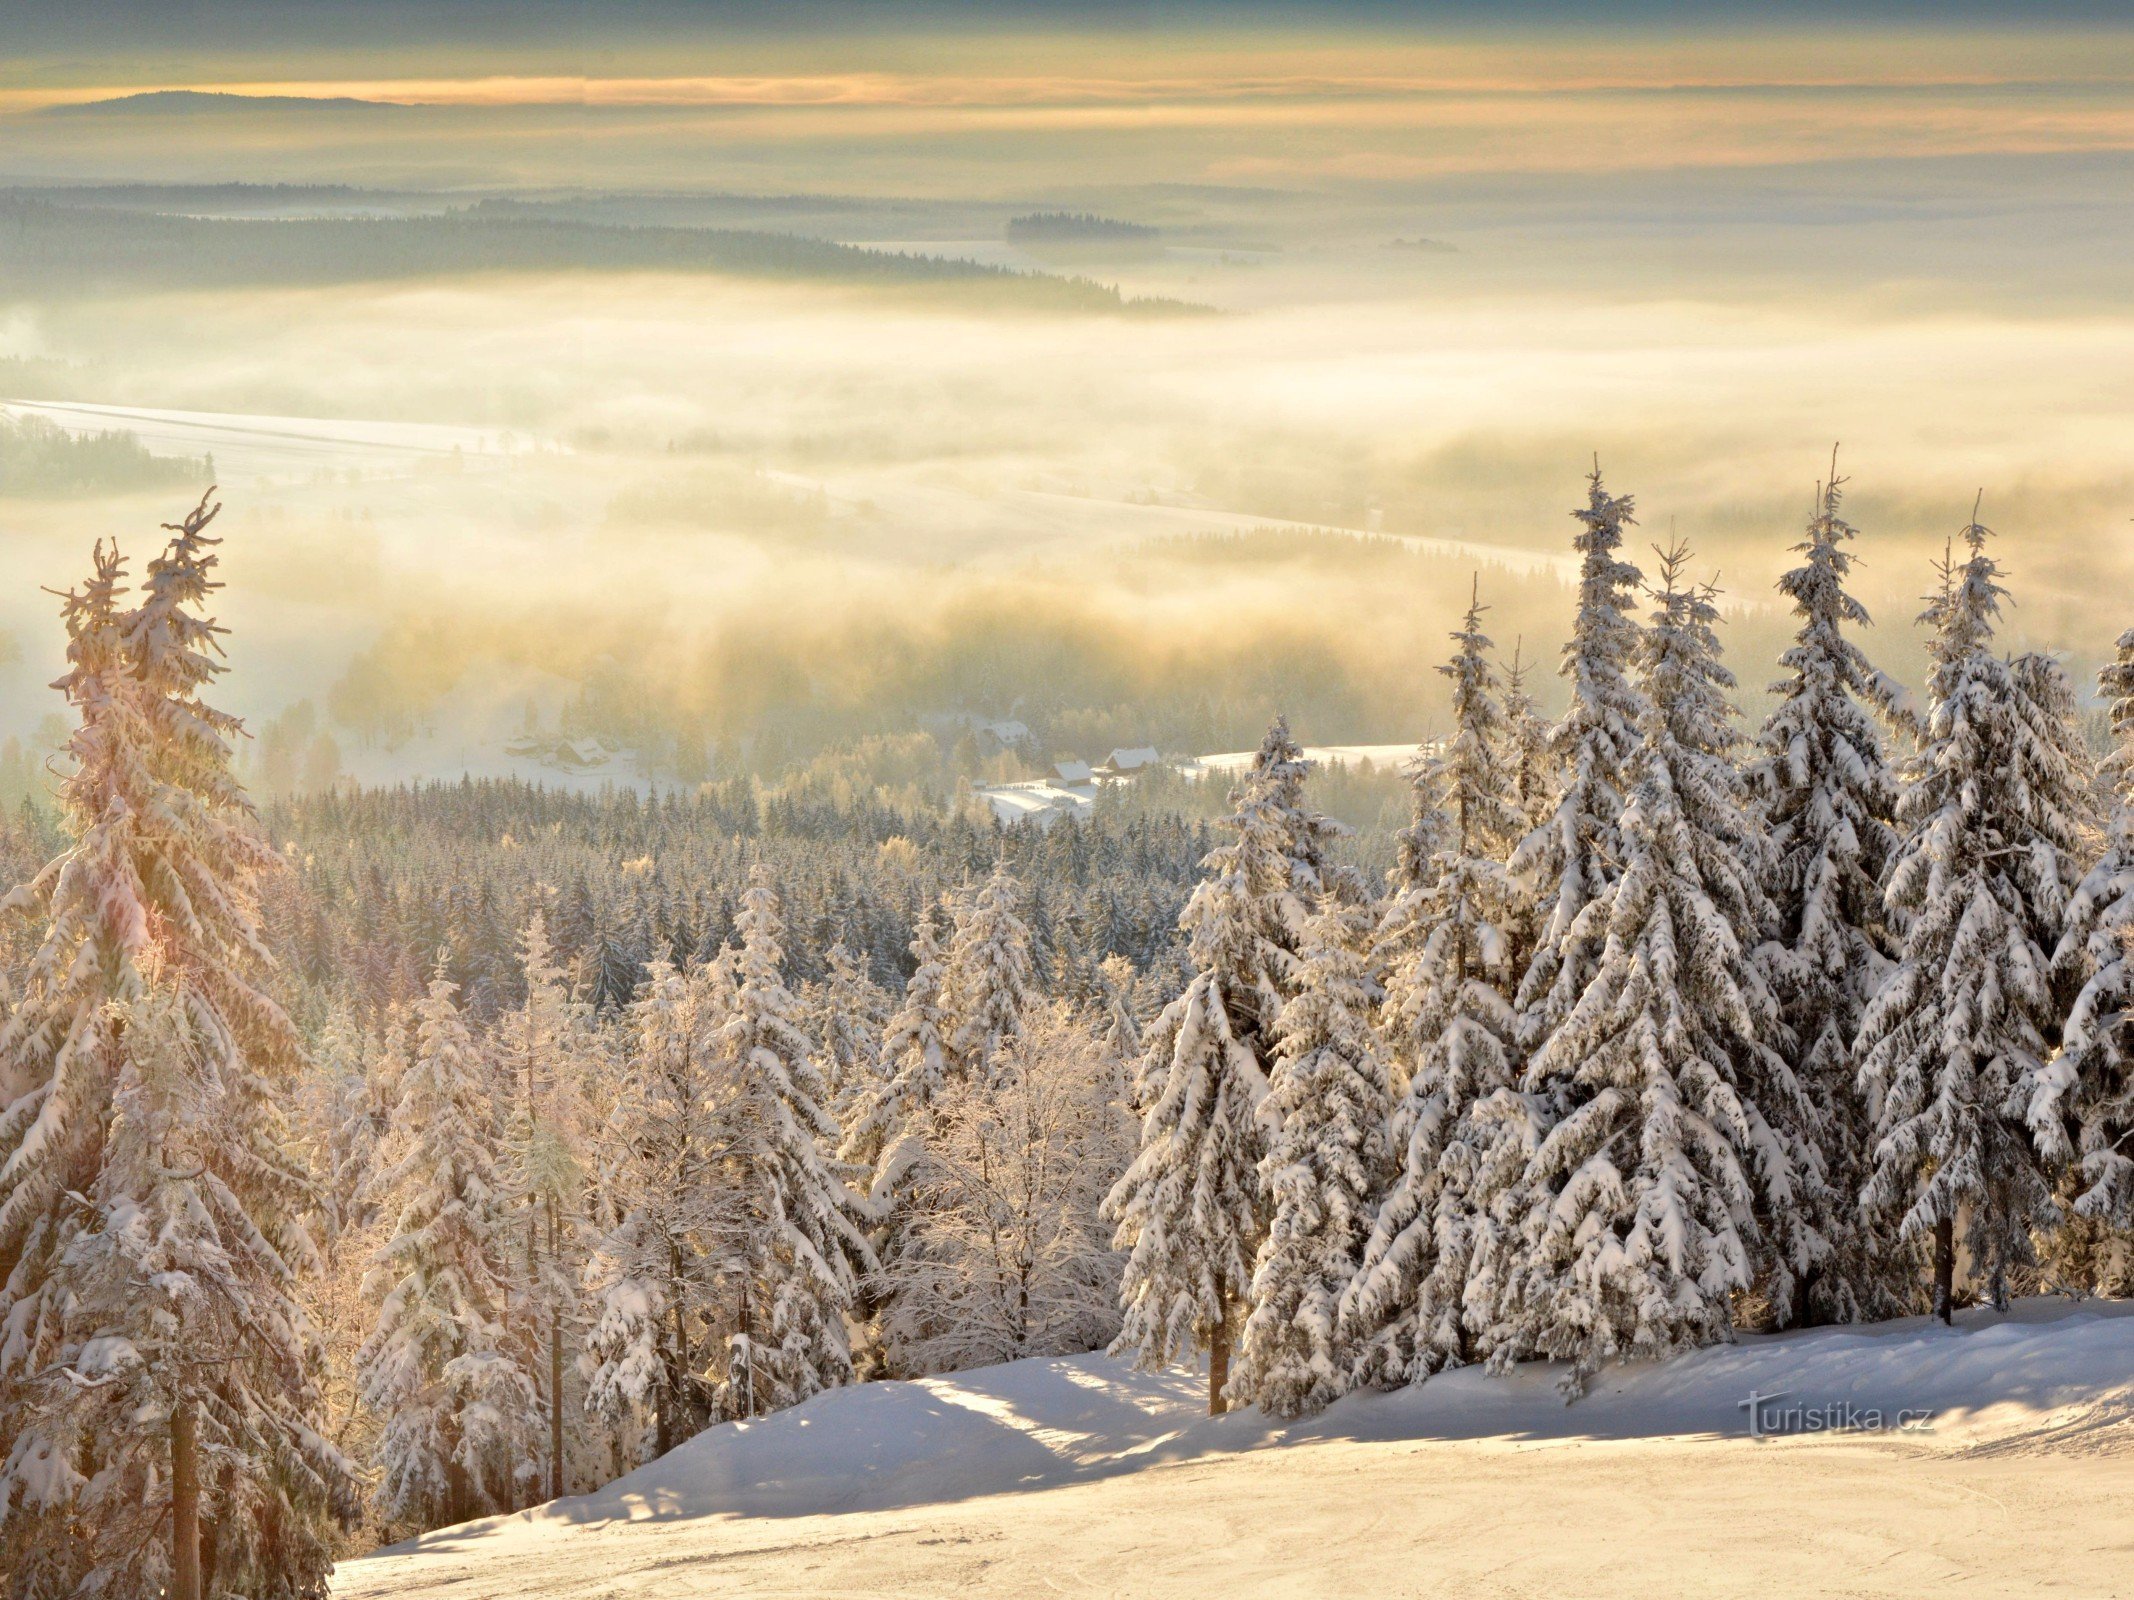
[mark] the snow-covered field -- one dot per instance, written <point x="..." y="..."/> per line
<point x="1383" y="756"/>
<point x="252" y="449"/>
<point x="1079" y="1476"/>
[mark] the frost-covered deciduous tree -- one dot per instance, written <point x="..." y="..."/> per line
<point x="459" y="1410"/>
<point x="159" y="1398"/>
<point x="1650" y="1185"/>
<point x="1191" y="1209"/>
<point x="1830" y="798"/>
<point x="1118" y="1028"/>
<point x="794" y="1245"/>
<point x="1325" y="1167"/>
<point x="988" y="980"/>
<point x="1005" y="1255"/>
<point x="1952" y="1048"/>
<point x="1419" y="1299"/>
<point x="2083" y="1111"/>
<point x="539" y="1050"/>
<point x="654" y="1280"/>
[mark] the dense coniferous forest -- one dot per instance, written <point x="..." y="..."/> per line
<point x="388" y="1157"/>
<point x="1040" y="226"/>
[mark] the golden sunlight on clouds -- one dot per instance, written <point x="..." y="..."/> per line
<point x="1352" y="108"/>
<point x="1096" y="70"/>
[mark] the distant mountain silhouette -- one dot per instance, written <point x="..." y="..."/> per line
<point x="179" y="102"/>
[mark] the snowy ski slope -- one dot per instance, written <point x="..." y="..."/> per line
<point x="1079" y="1476"/>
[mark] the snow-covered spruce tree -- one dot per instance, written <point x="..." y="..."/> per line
<point x="1952" y="1047"/>
<point x="370" y="1118"/>
<point x="1571" y="858"/>
<point x="1327" y="1162"/>
<point x="887" y="1125"/>
<point x="159" y="1402"/>
<point x="1118" y="1028"/>
<point x="795" y="1243"/>
<point x="537" y="1050"/>
<point x="989" y="979"/>
<point x="1651" y="1183"/>
<point x="914" y="1063"/>
<point x="459" y="1410"/>
<point x="1529" y="765"/>
<point x="1005" y="1255"/>
<point x="332" y="1113"/>
<point x="347" y="1113"/>
<point x="848" y="1014"/>
<point x="1419" y="848"/>
<point x="1191" y="1209"/>
<point x="2083" y="1113"/>
<point x="1830" y="797"/>
<point x="654" y="1281"/>
<point x="1419" y="1299"/>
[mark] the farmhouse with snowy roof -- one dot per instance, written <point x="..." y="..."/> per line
<point x="1125" y="763"/>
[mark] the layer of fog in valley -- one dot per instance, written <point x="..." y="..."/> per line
<point x="503" y="458"/>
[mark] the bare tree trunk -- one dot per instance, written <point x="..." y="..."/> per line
<point x="459" y="1494"/>
<point x="1945" y="1268"/>
<point x="184" y="1503"/>
<point x="555" y="1374"/>
<point x="677" y="1369"/>
<point x="662" y="1428"/>
<point x="748" y="1352"/>
<point x="1804" y="1298"/>
<point x="1218" y="1367"/>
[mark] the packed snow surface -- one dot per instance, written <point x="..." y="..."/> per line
<point x="1080" y="1476"/>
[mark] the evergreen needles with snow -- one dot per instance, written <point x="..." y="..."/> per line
<point x="795" y="1243"/>
<point x="1830" y="800"/>
<point x="1952" y="1049"/>
<point x="1191" y="1209"/>
<point x="544" y="1072"/>
<point x="989" y="979"/>
<point x="158" y="1373"/>
<point x="1643" y="1222"/>
<point x="914" y="1065"/>
<point x="461" y="1412"/>
<point x="1572" y="856"/>
<point x="654" y="1279"/>
<point x="1326" y="1165"/>
<point x="1420" y="1297"/>
<point x="2084" y="1110"/>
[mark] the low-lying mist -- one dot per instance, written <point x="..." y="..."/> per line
<point x="738" y="522"/>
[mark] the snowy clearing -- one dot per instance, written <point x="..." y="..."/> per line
<point x="254" y="449"/>
<point x="1080" y="1476"/>
<point x="1386" y="757"/>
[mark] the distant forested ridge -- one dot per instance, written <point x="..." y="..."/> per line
<point x="38" y="458"/>
<point x="55" y="249"/>
<point x="185" y="102"/>
<point x="1080" y="226"/>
